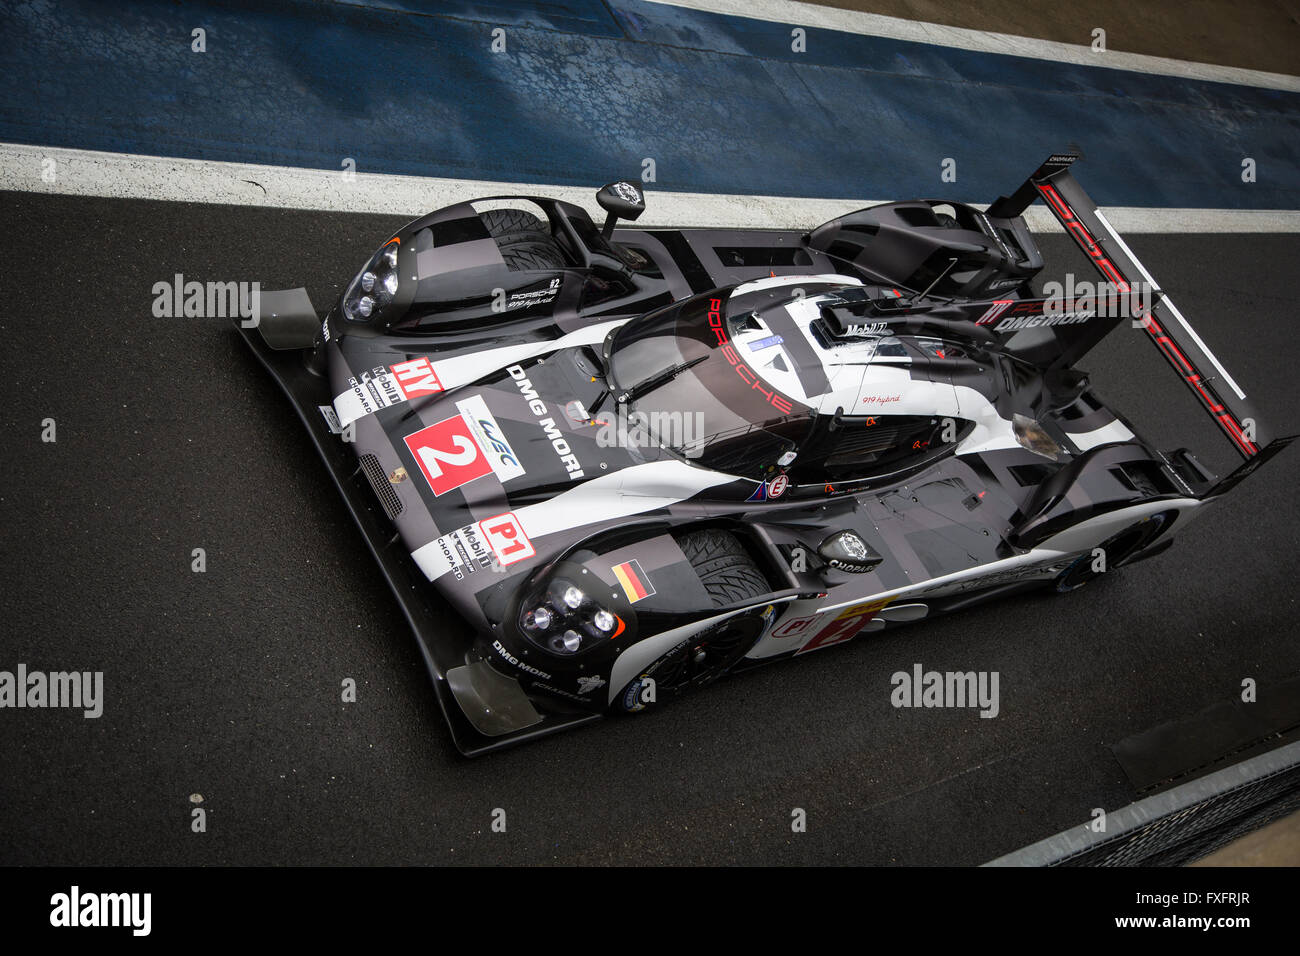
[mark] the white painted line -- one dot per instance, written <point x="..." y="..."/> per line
<point x="961" y="38"/>
<point x="131" y="176"/>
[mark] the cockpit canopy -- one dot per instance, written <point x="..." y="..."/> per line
<point x="695" y="377"/>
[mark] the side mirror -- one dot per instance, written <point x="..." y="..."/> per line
<point x="622" y="200"/>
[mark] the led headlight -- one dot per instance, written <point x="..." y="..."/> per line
<point x="375" y="285"/>
<point x="564" y="619"/>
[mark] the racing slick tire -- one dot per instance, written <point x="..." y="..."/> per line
<point x="1118" y="550"/>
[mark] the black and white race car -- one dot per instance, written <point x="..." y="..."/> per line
<point x="636" y="460"/>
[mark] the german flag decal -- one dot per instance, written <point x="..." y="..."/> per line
<point x="636" y="585"/>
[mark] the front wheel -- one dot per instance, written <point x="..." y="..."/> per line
<point x="697" y="661"/>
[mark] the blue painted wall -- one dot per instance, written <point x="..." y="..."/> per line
<point x="586" y="90"/>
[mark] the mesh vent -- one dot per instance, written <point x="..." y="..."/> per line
<point x="384" y="490"/>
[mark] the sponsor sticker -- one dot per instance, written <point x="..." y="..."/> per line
<point x="845" y="626"/>
<point x="770" y="489"/>
<point x="416" y="378"/>
<point x="636" y="584"/>
<point x="589" y="683"/>
<point x="491" y="439"/>
<point x="462" y="552"/>
<point x="470" y="552"/>
<point x="448" y="455"/>
<point x="331" y="418"/>
<point x="385" y="386"/>
<point x="507" y="539"/>
<point x="795" y="627"/>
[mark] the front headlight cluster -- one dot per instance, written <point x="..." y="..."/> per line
<point x="375" y="285"/>
<point x="564" y="619"/>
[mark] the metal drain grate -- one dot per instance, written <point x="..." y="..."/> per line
<point x="383" y="489"/>
<point x="1182" y="824"/>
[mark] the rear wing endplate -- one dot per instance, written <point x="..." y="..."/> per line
<point x="1214" y="388"/>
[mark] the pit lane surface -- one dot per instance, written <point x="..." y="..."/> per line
<point x="226" y="684"/>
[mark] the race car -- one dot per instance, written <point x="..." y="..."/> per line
<point x="632" y="461"/>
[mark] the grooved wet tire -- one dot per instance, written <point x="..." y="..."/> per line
<point x="532" y="254"/>
<point x="508" y="222"/>
<point x="525" y="241"/>
<point x="727" y="572"/>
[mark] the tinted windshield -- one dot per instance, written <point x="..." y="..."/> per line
<point x="698" y="395"/>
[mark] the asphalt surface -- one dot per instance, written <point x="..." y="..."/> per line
<point x="226" y="684"/>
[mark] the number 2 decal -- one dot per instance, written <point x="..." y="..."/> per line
<point x="466" y="452"/>
<point x="448" y="455"/>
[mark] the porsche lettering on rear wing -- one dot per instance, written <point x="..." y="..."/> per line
<point x="1199" y="369"/>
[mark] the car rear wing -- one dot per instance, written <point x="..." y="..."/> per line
<point x="1214" y="388"/>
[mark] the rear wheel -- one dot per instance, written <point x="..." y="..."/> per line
<point x="525" y="241"/>
<point x="530" y="254"/>
<point x="1117" y="551"/>
<point x="506" y="222"/>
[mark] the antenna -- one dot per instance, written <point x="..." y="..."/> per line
<point x="951" y="262"/>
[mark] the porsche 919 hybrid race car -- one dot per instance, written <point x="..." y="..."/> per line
<point x="635" y="460"/>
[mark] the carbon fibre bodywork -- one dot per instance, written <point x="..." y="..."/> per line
<point x="889" y="379"/>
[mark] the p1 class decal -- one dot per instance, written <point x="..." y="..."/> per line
<point x="448" y="455"/>
<point x="845" y="626"/>
<point x="636" y="584"/>
<point x="507" y="538"/>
